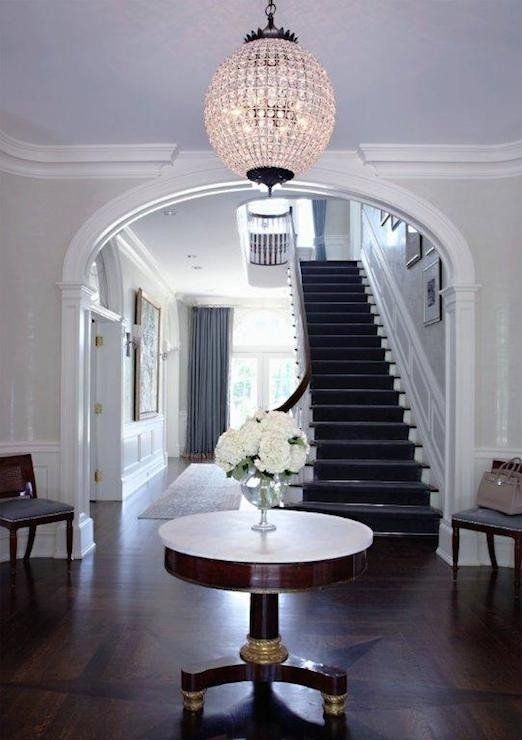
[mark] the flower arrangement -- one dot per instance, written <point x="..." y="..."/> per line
<point x="268" y="442"/>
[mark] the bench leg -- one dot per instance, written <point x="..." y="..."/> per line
<point x="518" y="561"/>
<point x="30" y="542"/>
<point x="69" y="535"/>
<point x="491" y="549"/>
<point x="455" y="543"/>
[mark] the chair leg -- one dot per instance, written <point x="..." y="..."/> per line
<point x="30" y="542"/>
<point x="13" y="543"/>
<point x="455" y="542"/>
<point x="69" y="543"/>
<point x="491" y="549"/>
<point x="518" y="562"/>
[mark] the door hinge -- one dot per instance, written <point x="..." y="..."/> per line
<point x="98" y="340"/>
<point x="98" y="408"/>
<point x="98" y="476"/>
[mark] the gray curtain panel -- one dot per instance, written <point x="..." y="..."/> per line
<point x="209" y="362"/>
<point x="319" y="213"/>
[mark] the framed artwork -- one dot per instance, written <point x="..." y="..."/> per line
<point x="431" y="290"/>
<point x="413" y="245"/>
<point x="395" y="221"/>
<point x="384" y="217"/>
<point x="146" y="372"/>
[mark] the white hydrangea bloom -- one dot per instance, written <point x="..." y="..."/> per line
<point x="229" y="450"/>
<point x="274" y="453"/>
<point x="279" y="422"/>
<point x="251" y="436"/>
<point x="297" y="458"/>
<point x="259" y="415"/>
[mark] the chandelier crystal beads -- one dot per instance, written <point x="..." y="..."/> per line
<point x="270" y="108"/>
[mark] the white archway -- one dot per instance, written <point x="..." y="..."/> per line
<point x="197" y="178"/>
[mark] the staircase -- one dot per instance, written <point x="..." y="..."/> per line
<point x="366" y="467"/>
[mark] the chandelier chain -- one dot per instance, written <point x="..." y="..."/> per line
<point x="270" y="9"/>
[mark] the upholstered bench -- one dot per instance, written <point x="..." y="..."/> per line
<point x="491" y="523"/>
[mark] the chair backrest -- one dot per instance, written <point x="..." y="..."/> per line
<point x="16" y="476"/>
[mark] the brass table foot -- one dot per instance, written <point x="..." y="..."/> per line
<point x="334" y="705"/>
<point x="193" y="700"/>
<point x="263" y="652"/>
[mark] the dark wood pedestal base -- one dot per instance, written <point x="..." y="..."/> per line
<point x="264" y="659"/>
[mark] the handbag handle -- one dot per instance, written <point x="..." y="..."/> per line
<point x="509" y="468"/>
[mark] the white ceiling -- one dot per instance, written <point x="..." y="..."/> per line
<point x="135" y="71"/>
<point x="206" y="228"/>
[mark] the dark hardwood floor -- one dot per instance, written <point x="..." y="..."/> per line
<point x="99" y="655"/>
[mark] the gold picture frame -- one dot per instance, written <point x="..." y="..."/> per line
<point x="147" y="358"/>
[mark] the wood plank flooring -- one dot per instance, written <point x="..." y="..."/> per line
<point x="98" y="656"/>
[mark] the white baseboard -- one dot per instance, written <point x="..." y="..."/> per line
<point x="142" y="472"/>
<point x="473" y="549"/>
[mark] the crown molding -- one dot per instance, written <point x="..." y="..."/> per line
<point x="223" y="301"/>
<point x="135" y="250"/>
<point x="465" y="161"/>
<point x="84" y="161"/>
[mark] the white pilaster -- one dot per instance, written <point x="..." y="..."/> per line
<point x="459" y="493"/>
<point x="74" y="426"/>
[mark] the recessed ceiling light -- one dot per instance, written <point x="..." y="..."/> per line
<point x="169" y="211"/>
<point x="197" y="267"/>
<point x="192" y="256"/>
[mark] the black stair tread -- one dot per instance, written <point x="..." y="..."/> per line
<point x="374" y="463"/>
<point x="329" y="263"/>
<point x="359" y="424"/>
<point x="355" y="375"/>
<point x="329" y="293"/>
<point x="385" y="484"/>
<point x="326" y="286"/>
<point x="373" y="442"/>
<point x="379" y="509"/>
<point x="322" y="366"/>
<point x="337" y="304"/>
<point x="340" y="323"/>
<point x="329" y="348"/>
<point x="361" y="406"/>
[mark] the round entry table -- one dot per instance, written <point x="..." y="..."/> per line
<point x="306" y="551"/>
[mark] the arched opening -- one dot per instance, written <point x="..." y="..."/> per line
<point x="459" y="300"/>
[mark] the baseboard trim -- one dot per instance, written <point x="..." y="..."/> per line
<point x="473" y="550"/>
<point x="148" y="468"/>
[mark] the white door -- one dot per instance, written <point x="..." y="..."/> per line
<point x="106" y="411"/>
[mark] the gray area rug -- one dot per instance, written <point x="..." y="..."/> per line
<point x="201" y="487"/>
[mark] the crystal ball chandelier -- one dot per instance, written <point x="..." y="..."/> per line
<point x="270" y="107"/>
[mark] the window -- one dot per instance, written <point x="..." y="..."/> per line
<point x="263" y="369"/>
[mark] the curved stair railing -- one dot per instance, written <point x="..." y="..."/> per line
<point x="299" y="401"/>
<point x="268" y="238"/>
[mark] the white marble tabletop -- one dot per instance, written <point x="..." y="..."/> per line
<point x="300" y="536"/>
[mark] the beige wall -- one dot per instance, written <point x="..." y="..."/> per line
<point x="489" y="215"/>
<point x="38" y="219"/>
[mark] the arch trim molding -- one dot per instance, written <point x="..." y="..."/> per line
<point x="192" y="178"/>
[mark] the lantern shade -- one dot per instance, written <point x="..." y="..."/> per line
<point x="270" y="107"/>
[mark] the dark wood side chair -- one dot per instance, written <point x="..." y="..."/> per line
<point x="20" y="507"/>
<point x="491" y="523"/>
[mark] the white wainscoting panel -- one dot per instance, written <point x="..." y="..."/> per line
<point x="417" y="378"/>
<point x="46" y="463"/>
<point x="144" y="452"/>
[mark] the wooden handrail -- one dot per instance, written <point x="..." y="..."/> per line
<point x="300" y="309"/>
